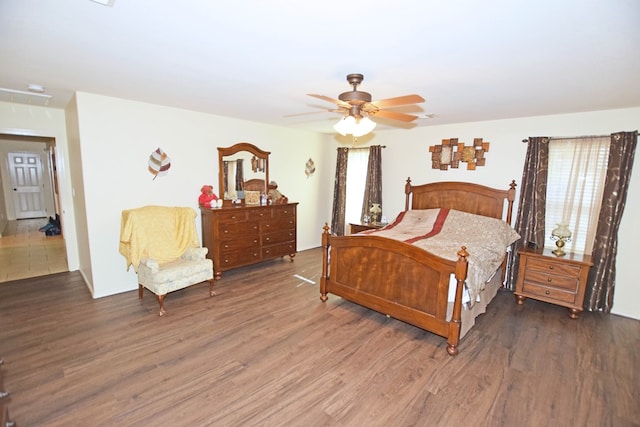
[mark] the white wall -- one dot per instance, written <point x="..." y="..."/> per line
<point x="116" y="138"/>
<point x="16" y="119"/>
<point x="407" y="154"/>
<point x="112" y="139"/>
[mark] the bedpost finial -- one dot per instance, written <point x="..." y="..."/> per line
<point x="463" y="252"/>
<point x="513" y="184"/>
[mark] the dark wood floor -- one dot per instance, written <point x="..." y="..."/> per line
<point x="266" y="351"/>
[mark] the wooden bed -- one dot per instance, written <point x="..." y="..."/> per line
<point x="402" y="280"/>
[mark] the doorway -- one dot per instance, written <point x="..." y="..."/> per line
<point x="30" y="251"/>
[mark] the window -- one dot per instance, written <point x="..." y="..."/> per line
<point x="576" y="175"/>
<point x="357" y="164"/>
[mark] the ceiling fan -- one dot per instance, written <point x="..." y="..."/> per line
<point x="358" y="104"/>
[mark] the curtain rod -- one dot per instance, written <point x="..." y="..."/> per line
<point x="364" y="148"/>
<point x="526" y="140"/>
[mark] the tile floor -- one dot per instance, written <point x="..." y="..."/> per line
<point x="27" y="252"/>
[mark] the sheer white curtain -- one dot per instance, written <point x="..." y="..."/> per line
<point x="576" y="175"/>
<point x="356" y="183"/>
<point x="231" y="181"/>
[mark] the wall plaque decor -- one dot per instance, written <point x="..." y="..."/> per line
<point x="159" y="163"/>
<point x="451" y="152"/>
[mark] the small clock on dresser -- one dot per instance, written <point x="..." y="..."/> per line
<point x="560" y="280"/>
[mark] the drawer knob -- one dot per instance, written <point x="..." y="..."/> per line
<point x="547" y="292"/>
<point x="549" y="280"/>
<point x="551" y="267"/>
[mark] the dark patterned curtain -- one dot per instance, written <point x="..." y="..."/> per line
<point x="340" y="193"/>
<point x="373" y="186"/>
<point x="533" y="198"/>
<point x="239" y="175"/>
<point x="601" y="282"/>
<point x="225" y="167"/>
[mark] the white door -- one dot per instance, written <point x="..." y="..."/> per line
<point x="27" y="184"/>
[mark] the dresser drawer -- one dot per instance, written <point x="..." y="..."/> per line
<point x="237" y="243"/>
<point x="544" y="292"/>
<point x="278" y="237"/>
<point x="281" y="249"/>
<point x="234" y="230"/>
<point x="239" y="258"/>
<point x="231" y="215"/>
<point x="546" y="279"/>
<point x="278" y="224"/>
<point x="260" y="214"/>
<point x="284" y="211"/>
<point x="555" y="267"/>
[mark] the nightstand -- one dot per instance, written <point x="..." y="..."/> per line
<point x="553" y="279"/>
<point x="358" y="227"/>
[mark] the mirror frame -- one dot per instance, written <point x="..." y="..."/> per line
<point x="236" y="148"/>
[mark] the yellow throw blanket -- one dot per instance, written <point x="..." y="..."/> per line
<point x="158" y="232"/>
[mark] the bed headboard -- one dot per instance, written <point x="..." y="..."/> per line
<point x="255" y="185"/>
<point x="462" y="196"/>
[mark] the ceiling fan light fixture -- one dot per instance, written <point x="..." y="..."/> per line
<point x="344" y="125"/>
<point x="363" y="126"/>
<point x="356" y="127"/>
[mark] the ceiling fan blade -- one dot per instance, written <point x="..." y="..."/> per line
<point x="393" y="115"/>
<point x="332" y="100"/>
<point x="400" y="100"/>
<point x="337" y="110"/>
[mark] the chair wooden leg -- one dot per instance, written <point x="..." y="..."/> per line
<point x="140" y="291"/>
<point x="161" y="302"/>
<point x="211" y="291"/>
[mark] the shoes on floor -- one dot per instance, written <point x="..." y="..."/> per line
<point x="52" y="228"/>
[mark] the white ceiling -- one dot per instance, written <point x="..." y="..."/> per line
<point x="257" y="59"/>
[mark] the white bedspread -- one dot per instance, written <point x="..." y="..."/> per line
<point x="444" y="231"/>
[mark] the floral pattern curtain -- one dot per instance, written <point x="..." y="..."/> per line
<point x="601" y="282"/>
<point x="533" y="197"/>
<point x="239" y="175"/>
<point x="373" y="186"/>
<point x="340" y="193"/>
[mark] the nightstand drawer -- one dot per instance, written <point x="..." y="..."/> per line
<point x="555" y="267"/>
<point x="545" y="279"/>
<point x="535" y="289"/>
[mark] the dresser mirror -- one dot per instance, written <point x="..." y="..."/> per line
<point x="242" y="167"/>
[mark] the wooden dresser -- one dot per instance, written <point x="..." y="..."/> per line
<point x="245" y="235"/>
<point x="557" y="280"/>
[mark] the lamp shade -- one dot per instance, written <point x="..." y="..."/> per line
<point x="345" y="125"/>
<point x="353" y="126"/>
<point x="561" y="231"/>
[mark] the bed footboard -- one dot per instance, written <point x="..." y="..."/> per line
<point x="396" y="279"/>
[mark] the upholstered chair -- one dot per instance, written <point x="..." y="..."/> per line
<point x="162" y="245"/>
